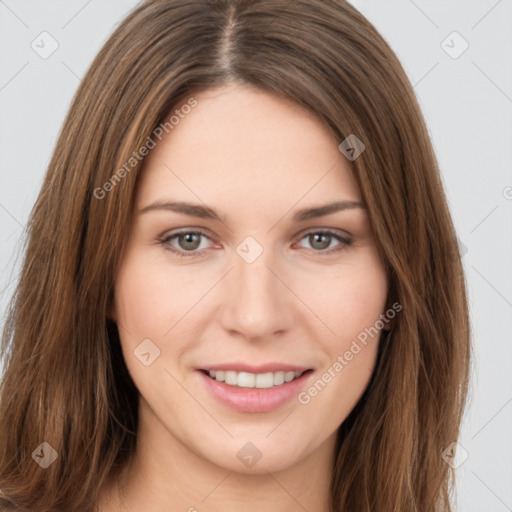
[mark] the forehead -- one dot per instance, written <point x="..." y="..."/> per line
<point x="246" y="146"/>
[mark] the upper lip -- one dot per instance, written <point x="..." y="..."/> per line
<point x="263" y="368"/>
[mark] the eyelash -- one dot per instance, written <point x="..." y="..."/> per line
<point x="164" y="241"/>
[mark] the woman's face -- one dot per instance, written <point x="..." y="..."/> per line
<point x="249" y="280"/>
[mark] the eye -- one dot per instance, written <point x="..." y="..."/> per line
<point x="322" y="240"/>
<point x="188" y="243"/>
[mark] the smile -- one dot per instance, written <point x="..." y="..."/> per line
<point x="263" y="389"/>
<point x="253" y="380"/>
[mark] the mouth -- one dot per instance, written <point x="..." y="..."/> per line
<point x="245" y="379"/>
<point x="262" y="390"/>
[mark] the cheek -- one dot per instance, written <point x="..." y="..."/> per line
<point x="150" y="301"/>
<point x="152" y="297"/>
<point x="351" y="304"/>
<point x="349" y="300"/>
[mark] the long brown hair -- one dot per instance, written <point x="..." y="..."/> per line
<point x="65" y="382"/>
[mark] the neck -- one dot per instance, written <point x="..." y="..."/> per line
<point x="165" y="474"/>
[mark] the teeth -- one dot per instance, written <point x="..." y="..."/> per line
<point x="231" y="378"/>
<point x="264" y="380"/>
<point x="278" y="378"/>
<point x="246" y="380"/>
<point x="289" y="376"/>
<point x="253" y="380"/>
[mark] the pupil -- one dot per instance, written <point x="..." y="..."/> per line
<point x="323" y="244"/>
<point x="189" y="239"/>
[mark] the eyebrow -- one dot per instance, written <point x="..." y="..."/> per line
<point x="205" y="212"/>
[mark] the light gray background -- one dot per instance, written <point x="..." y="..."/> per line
<point x="467" y="102"/>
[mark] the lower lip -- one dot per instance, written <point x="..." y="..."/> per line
<point x="255" y="399"/>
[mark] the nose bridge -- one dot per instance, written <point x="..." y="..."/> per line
<point x="257" y="302"/>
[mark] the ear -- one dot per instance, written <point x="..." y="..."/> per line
<point x="390" y="321"/>
<point x="390" y="324"/>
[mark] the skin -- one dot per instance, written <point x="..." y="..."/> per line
<point x="256" y="159"/>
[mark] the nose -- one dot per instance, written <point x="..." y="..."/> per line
<point x="257" y="301"/>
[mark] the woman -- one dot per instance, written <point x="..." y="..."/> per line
<point x="310" y="349"/>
